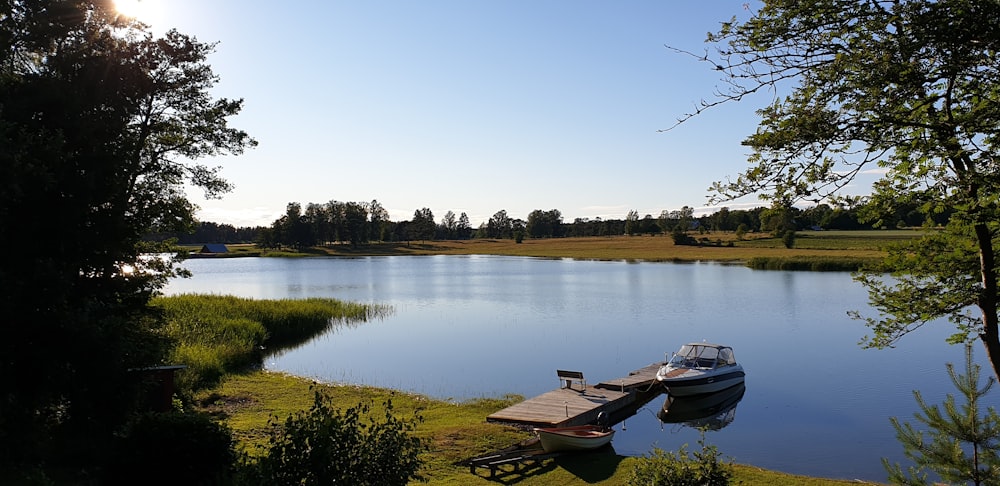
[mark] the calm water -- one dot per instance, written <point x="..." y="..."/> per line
<point x="475" y="326"/>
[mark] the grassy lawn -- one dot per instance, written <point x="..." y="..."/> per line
<point x="454" y="431"/>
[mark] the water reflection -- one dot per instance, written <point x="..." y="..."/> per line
<point x="711" y="411"/>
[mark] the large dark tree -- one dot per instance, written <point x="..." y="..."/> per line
<point x="99" y="126"/>
<point x="422" y="227"/>
<point x="544" y="224"/>
<point x="910" y="88"/>
<point x="500" y="225"/>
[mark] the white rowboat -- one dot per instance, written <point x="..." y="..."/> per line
<point x="581" y="437"/>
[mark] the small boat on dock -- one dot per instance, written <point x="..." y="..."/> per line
<point x="576" y="438"/>
<point x="699" y="368"/>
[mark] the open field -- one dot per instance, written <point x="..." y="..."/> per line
<point x="724" y="247"/>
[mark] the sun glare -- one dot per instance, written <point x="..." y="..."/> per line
<point x="141" y="10"/>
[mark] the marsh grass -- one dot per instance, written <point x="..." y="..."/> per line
<point x="814" y="264"/>
<point x="217" y="334"/>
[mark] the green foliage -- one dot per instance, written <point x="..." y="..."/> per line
<point x="101" y="124"/>
<point x="329" y="446"/>
<point x="741" y="231"/>
<point x="681" y="237"/>
<point x="663" y="468"/>
<point x="788" y="238"/>
<point x="907" y="88"/>
<point x="173" y="448"/>
<point x="964" y="442"/>
<point x="544" y="224"/>
<point x="940" y="272"/>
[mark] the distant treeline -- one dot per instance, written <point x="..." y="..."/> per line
<point x="357" y="223"/>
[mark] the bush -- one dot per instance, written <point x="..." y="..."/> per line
<point x="788" y="238"/>
<point x="682" y="238"/>
<point x="326" y="446"/>
<point x="680" y="469"/>
<point x="173" y="448"/>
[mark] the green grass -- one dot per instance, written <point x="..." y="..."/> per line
<point x="866" y="240"/>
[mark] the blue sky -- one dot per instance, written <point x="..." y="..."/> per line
<point x="467" y="106"/>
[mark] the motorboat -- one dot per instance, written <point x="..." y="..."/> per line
<point x="575" y="438"/>
<point x="711" y="411"/>
<point x="699" y="368"/>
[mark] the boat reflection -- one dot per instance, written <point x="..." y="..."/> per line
<point x="711" y="411"/>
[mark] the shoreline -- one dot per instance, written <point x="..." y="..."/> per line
<point x="813" y="250"/>
<point x="457" y="431"/>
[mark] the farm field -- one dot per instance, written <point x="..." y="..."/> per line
<point x="856" y="245"/>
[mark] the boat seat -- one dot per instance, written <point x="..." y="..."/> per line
<point x="568" y="377"/>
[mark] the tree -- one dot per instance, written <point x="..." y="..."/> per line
<point x="101" y="124"/>
<point x="355" y="217"/>
<point x="294" y="229"/>
<point x="464" y="228"/>
<point x="964" y="442"/>
<point x="318" y="219"/>
<point x="379" y="221"/>
<point x="450" y="225"/>
<point x="422" y="227"/>
<point x="632" y="223"/>
<point x="544" y="224"/>
<point x="906" y="87"/>
<point x="499" y="225"/>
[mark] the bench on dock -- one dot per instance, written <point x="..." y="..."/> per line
<point x="569" y="377"/>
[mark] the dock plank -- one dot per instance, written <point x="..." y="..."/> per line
<point x="563" y="407"/>
<point x="640" y="378"/>
<point x="566" y="406"/>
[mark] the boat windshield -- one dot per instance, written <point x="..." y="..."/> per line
<point x="702" y="356"/>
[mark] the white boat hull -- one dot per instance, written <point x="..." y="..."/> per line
<point x="574" y="438"/>
<point x="682" y="383"/>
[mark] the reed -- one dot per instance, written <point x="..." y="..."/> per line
<point x="217" y="335"/>
<point x="815" y="264"/>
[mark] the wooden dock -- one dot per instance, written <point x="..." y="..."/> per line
<point x="581" y="405"/>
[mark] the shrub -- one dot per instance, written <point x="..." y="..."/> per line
<point x="682" y="238"/>
<point x="326" y="446"/>
<point x="788" y="238"/>
<point x="173" y="448"/>
<point x="680" y="469"/>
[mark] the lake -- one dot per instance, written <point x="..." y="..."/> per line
<point x="815" y="403"/>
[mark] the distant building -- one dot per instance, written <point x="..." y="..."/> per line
<point x="214" y="248"/>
